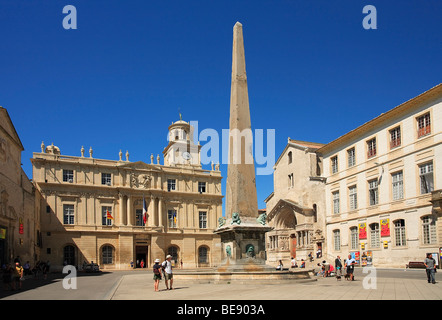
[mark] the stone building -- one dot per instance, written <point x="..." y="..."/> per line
<point x="296" y="208"/>
<point x="19" y="211"/>
<point x="383" y="184"/>
<point x="94" y="209"/>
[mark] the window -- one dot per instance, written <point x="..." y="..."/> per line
<point x="426" y="178"/>
<point x="374" y="235"/>
<point x="337" y="240"/>
<point x="336" y="205"/>
<point x="106" y="179"/>
<point x="203" y="255"/>
<point x="68" y="175"/>
<point x="171" y="184"/>
<point x="429" y="230"/>
<point x="68" y="214"/>
<point x="351" y="156"/>
<point x="171" y="217"/>
<point x="107" y="255"/>
<point x="371" y="148"/>
<point x="373" y="192"/>
<point x="69" y="255"/>
<point x="203" y="219"/>
<point x="334" y="164"/>
<point x="290" y="180"/>
<point x="201" y="187"/>
<point x="423" y="125"/>
<point x="106" y="214"/>
<point x="289" y="155"/>
<point x="139" y="221"/>
<point x="354" y="238"/>
<point x="398" y="185"/>
<point x="352" y="191"/>
<point x="395" y="137"/>
<point x="399" y="233"/>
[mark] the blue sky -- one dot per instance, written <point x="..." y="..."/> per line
<point x="118" y="80"/>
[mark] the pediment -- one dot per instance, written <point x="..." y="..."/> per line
<point x="284" y="204"/>
<point x="139" y="165"/>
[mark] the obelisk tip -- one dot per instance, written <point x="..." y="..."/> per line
<point x="238" y="24"/>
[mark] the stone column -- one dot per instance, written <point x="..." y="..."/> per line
<point x="151" y="211"/>
<point x="160" y="212"/>
<point x="129" y="210"/>
<point x="121" y="210"/>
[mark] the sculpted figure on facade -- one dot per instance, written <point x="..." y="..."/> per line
<point x="140" y="181"/>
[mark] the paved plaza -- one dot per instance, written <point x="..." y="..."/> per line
<point x="391" y="284"/>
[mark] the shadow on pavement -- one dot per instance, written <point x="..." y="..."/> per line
<point x="32" y="282"/>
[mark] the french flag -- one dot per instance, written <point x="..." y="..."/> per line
<point x="144" y="211"/>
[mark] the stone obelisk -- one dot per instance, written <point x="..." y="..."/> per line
<point x="240" y="186"/>
<point x="242" y="231"/>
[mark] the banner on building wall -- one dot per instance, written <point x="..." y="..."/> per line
<point x="363" y="231"/>
<point x="385" y="227"/>
<point x="20" y="226"/>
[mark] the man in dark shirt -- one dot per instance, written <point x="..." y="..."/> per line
<point x="430" y="266"/>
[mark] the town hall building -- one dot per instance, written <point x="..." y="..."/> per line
<point x="118" y="212"/>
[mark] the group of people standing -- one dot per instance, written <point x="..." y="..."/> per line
<point x="14" y="274"/>
<point x="163" y="269"/>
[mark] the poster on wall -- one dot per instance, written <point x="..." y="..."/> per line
<point x="385" y="227"/>
<point x="2" y="233"/>
<point x="356" y="256"/>
<point x="364" y="259"/>
<point x="363" y="231"/>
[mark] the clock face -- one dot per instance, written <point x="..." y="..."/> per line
<point x="187" y="155"/>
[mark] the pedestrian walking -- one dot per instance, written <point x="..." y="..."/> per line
<point x="350" y="265"/>
<point x="430" y="268"/>
<point x="142" y="264"/>
<point x="338" y="267"/>
<point x="156" y="274"/>
<point x="168" y="275"/>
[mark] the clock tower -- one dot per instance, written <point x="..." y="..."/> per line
<point x="181" y="150"/>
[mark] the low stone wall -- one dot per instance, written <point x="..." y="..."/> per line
<point x="262" y="277"/>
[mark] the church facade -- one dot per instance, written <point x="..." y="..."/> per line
<point x="296" y="207"/>
<point x="123" y="213"/>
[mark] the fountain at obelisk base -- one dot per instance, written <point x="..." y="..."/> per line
<point x="242" y="231"/>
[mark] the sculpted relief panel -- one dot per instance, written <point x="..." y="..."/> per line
<point x="142" y="181"/>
